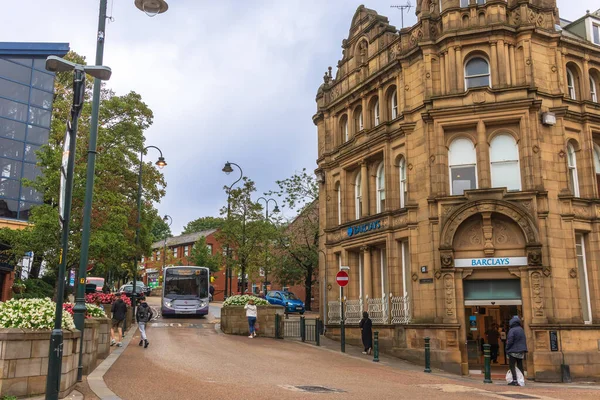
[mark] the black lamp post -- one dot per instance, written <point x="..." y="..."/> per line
<point x="57" y="64"/>
<point x="160" y="163"/>
<point x="275" y="210"/>
<point x="166" y="218"/>
<point x="228" y="274"/>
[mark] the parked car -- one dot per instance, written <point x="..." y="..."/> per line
<point x="289" y="300"/>
<point x="127" y="290"/>
<point x="147" y="289"/>
<point x="99" y="282"/>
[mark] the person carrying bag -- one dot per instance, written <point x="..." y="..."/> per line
<point x="516" y="347"/>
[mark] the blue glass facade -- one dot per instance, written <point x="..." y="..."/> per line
<point x="26" y="96"/>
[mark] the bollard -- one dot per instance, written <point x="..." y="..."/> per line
<point x="487" y="357"/>
<point x="277" y="333"/>
<point x="124" y="326"/>
<point x="303" y="329"/>
<point x="376" y="347"/>
<point x="317" y="331"/>
<point x="427" y="356"/>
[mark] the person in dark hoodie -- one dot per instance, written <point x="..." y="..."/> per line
<point x="118" y="310"/>
<point x="516" y="347"/>
<point x="143" y="315"/>
<point x="366" y="329"/>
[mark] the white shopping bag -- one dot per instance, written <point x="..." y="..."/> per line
<point x="520" y="377"/>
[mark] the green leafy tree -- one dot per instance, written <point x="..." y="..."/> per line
<point x="202" y="256"/>
<point x="122" y="122"/>
<point x="160" y="229"/>
<point x="298" y="243"/>
<point x="203" y="224"/>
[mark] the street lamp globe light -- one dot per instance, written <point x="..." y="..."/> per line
<point x="276" y="209"/>
<point x="161" y="162"/>
<point x="227" y="168"/>
<point x="152" y="7"/>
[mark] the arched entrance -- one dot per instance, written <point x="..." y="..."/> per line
<point x="491" y="265"/>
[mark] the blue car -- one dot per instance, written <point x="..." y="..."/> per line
<point x="288" y="300"/>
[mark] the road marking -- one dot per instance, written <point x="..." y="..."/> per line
<point x="451" y="388"/>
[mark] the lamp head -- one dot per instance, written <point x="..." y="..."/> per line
<point x="276" y="209"/>
<point x="98" y="71"/>
<point x="58" y="64"/>
<point x="152" y="7"/>
<point x="161" y="162"/>
<point x="227" y="168"/>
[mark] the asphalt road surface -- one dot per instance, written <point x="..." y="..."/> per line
<point x="189" y="359"/>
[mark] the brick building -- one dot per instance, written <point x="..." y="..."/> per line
<point x="459" y="162"/>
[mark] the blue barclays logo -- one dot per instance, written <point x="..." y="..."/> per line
<point x="355" y="230"/>
<point x="490" y="262"/>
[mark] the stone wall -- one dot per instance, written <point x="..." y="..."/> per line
<point x="90" y="345"/>
<point x="24" y="361"/>
<point x="234" y="321"/>
<point x="103" y="337"/>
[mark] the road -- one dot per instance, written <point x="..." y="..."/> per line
<point x="189" y="359"/>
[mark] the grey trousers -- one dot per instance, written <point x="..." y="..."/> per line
<point x="142" y="326"/>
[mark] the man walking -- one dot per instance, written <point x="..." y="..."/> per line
<point x="119" y="311"/>
<point x="492" y="336"/>
<point x="143" y="315"/>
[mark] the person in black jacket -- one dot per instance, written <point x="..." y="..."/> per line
<point x="516" y="347"/>
<point x="143" y="315"/>
<point x="119" y="310"/>
<point x="366" y="329"/>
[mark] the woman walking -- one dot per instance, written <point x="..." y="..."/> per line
<point x="251" y="315"/>
<point x="366" y="329"/>
<point x="516" y="347"/>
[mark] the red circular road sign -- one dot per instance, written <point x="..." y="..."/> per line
<point x="342" y="278"/>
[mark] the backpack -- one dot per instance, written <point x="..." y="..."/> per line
<point x="143" y="314"/>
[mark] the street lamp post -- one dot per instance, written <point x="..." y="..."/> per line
<point x="165" y="218"/>
<point x="275" y="210"/>
<point x="160" y="163"/>
<point x="228" y="273"/>
<point x="151" y="8"/>
<point x="57" y="64"/>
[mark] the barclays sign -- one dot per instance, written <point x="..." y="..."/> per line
<point x="371" y="226"/>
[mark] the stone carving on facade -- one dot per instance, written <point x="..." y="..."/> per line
<point x="537" y="294"/>
<point x="581" y="212"/>
<point x="471" y="237"/>
<point x="447" y="260"/>
<point x="449" y="294"/>
<point x="415" y="277"/>
<point x="431" y="6"/>
<point x="573" y="273"/>
<point x="547" y="271"/>
<point x="400" y="221"/>
<point x="416" y="36"/>
<point x="534" y="257"/>
<point x="437" y="274"/>
<point x="514" y="17"/>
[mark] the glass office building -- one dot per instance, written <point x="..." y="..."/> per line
<point x="26" y="95"/>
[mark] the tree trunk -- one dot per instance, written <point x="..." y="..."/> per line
<point x="308" y="288"/>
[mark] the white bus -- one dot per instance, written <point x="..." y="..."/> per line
<point x="185" y="291"/>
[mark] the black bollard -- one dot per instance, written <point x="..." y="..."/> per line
<point x="487" y="369"/>
<point x="277" y="333"/>
<point x="303" y="329"/>
<point x="376" y="347"/>
<point x="318" y="331"/>
<point x="427" y="356"/>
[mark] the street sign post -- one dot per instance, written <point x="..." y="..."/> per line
<point x="342" y="279"/>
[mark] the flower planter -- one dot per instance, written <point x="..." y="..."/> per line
<point x="234" y="321"/>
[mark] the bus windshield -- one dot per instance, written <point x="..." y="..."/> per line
<point x="186" y="283"/>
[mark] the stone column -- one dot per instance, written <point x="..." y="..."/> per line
<point x="368" y="274"/>
<point x="382" y="105"/>
<point x="449" y="298"/>
<point x="460" y="70"/>
<point x="513" y="68"/>
<point x="442" y="73"/>
<point x="452" y="74"/>
<point x="507" y="63"/>
<point x="501" y="60"/>
<point x="365" y="112"/>
<point x="364" y="189"/>
<point x="587" y="90"/>
<point x="483" y="157"/>
<point x="494" y="64"/>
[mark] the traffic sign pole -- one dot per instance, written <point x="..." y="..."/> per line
<point x="342" y="279"/>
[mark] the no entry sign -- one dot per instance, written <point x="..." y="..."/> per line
<point x="342" y="278"/>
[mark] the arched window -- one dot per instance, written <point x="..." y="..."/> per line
<point x="358" y="120"/>
<point x="344" y="128"/>
<point x="394" y="103"/>
<point x="593" y="90"/>
<point x="597" y="165"/>
<point x="571" y="84"/>
<point x="376" y="119"/>
<point x="402" y="174"/>
<point x="477" y="73"/>
<point x="358" y="196"/>
<point x="462" y="162"/>
<point x="338" y="189"/>
<point x="504" y="160"/>
<point x="380" y="186"/>
<point x="572" y="165"/>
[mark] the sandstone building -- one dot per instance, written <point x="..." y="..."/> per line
<point x="459" y="162"/>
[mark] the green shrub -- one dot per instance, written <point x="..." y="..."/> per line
<point x="241" y="300"/>
<point x="36" y="289"/>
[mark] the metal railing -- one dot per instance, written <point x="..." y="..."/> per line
<point x="382" y="310"/>
<point x="305" y="329"/>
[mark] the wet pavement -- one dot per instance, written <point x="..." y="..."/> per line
<point x="190" y="359"/>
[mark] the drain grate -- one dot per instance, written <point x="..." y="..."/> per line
<point x="317" y="389"/>
<point x="517" y="396"/>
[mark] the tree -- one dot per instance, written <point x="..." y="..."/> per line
<point x="203" y="224"/>
<point x="202" y="256"/>
<point x="160" y="229"/>
<point x="298" y="244"/>
<point x="122" y="122"/>
<point x="245" y="231"/>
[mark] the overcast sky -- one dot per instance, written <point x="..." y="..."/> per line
<point x="227" y="80"/>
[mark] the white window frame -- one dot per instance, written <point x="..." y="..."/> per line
<point x="394" y="104"/>
<point x="593" y="94"/>
<point x="480" y="2"/>
<point x="345" y="127"/>
<point x="361" y="125"/>
<point x="505" y="162"/>
<point x="464" y="3"/>
<point x="572" y="166"/>
<point x="358" y="195"/>
<point x="158" y="255"/>
<point x="406" y="275"/>
<point x="462" y="166"/>
<point x="440" y="5"/>
<point x="595" y="27"/>
<point x="186" y="251"/>
<point x="383" y="265"/>
<point x="379" y="180"/>
<point x="376" y="116"/>
<point x="339" y="202"/>
<point x="403" y="186"/>
<point x="143" y="259"/>
<point x="175" y="252"/>
<point x="467" y="77"/>
<point x="571" y="84"/>
<point x="583" y="277"/>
